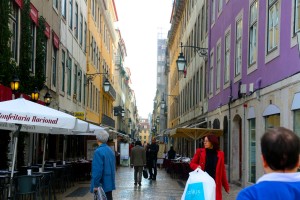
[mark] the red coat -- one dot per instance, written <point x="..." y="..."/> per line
<point x="199" y="159"/>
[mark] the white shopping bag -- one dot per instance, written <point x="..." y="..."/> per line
<point x="199" y="186"/>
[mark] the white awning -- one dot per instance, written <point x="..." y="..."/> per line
<point x="296" y="102"/>
<point x="271" y="110"/>
<point x="251" y="113"/>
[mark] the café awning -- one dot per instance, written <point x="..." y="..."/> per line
<point x="194" y="133"/>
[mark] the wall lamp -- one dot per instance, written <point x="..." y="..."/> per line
<point x="163" y="103"/>
<point x="106" y="84"/>
<point x="119" y="111"/>
<point x="35" y="95"/>
<point x="181" y="61"/>
<point x="15" y="84"/>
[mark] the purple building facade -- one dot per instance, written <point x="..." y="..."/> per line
<point x="253" y="77"/>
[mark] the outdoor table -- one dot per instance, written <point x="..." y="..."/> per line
<point x="46" y="183"/>
<point x="58" y="177"/>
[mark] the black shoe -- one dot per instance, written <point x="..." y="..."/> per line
<point x="154" y="179"/>
<point x="140" y="184"/>
<point x="150" y="178"/>
<point x="135" y="183"/>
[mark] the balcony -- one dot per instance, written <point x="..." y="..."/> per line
<point x="107" y="121"/>
<point x="112" y="92"/>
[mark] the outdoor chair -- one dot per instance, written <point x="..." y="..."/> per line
<point x="27" y="186"/>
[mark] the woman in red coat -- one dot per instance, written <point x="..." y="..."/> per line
<point x="211" y="160"/>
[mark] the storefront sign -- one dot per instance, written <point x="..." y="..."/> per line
<point x="47" y="30"/>
<point x="34" y="14"/>
<point x="79" y="115"/>
<point x="19" y="3"/>
<point x="55" y="40"/>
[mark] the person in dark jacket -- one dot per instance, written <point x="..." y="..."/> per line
<point x="153" y="150"/>
<point x="138" y="161"/>
<point x="171" y="153"/>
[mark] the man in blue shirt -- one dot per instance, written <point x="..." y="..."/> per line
<point x="280" y="157"/>
<point x="103" y="166"/>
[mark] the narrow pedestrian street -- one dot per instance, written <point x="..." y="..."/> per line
<point x="164" y="188"/>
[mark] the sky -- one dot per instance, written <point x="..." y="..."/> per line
<point x="140" y="21"/>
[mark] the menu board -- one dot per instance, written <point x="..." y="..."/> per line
<point x="124" y="151"/>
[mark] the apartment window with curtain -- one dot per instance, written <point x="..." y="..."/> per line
<point x="218" y="69"/>
<point x="297" y="122"/>
<point x="84" y="89"/>
<point x="211" y="74"/>
<point x="238" y="48"/>
<point x="252" y="151"/>
<point x="71" y="14"/>
<point x="273" y="24"/>
<point x="13" y="26"/>
<point x="252" y="34"/>
<point x="54" y="60"/>
<point x="64" y="8"/>
<point x="63" y="69"/>
<point x="84" y="37"/>
<point x="227" y="58"/>
<point x="297" y="16"/>
<point x="272" y="121"/>
<point x="69" y="76"/>
<point x="76" y="21"/>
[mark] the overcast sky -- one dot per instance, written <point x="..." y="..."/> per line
<point x="140" y="21"/>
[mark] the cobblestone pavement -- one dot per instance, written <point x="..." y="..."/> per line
<point x="164" y="188"/>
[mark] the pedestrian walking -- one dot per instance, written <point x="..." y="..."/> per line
<point x="138" y="161"/>
<point x="152" y="153"/>
<point x="103" y="166"/>
<point x="280" y="148"/>
<point x="211" y="159"/>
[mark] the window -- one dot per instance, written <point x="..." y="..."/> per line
<point x="211" y="73"/>
<point x="81" y="29"/>
<point x="238" y="48"/>
<point x="252" y="152"/>
<point x="32" y="53"/>
<point x="253" y="34"/>
<point x="55" y="4"/>
<point x="76" y="21"/>
<point x="75" y="80"/>
<point x="84" y="37"/>
<point x="64" y="8"/>
<point x="69" y="75"/>
<point x="297" y="16"/>
<point x="63" y="61"/>
<point x="13" y="26"/>
<point x="213" y="14"/>
<point x="218" y="70"/>
<point x="54" y="60"/>
<point x="79" y="85"/>
<point x="272" y="121"/>
<point x="71" y="14"/>
<point x="227" y="58"/>
<point x="297" y="122"/>
<point x="273" y="18"/>
<point x="220" y="5"/>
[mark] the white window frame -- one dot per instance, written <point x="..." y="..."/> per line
<point x="272" y="43"/>
<point x="272" y="53"/>
<point x="218" y="65"/>
<point x="227" y="47"/>
<point x="238" y="47"/>
<point x="63" y="70"/>
<point x="69" y="76"/>
<point x="14" y="28"/>
<point x="71" y="14"/>
<point x="211" y="74"/>
<point x="253" y="33"/>
<point x="64" y="9"/>
<point x="33" y="47"/>
<point x="213" y="12"/>
<point x="76" y="20"/>
<point x="54" y="67"/>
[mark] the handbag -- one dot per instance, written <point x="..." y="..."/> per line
<point x="145" y="173"/>
<point x="100" y="194"/>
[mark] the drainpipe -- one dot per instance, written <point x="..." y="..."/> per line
<point x="229" y="131"/>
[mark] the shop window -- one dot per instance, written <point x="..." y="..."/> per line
<point x="297" y="122"/>
<point x="272" y="121"/>
<point x="252" y="151"/>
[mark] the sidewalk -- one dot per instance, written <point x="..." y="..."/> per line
<point x="164" y="188"/>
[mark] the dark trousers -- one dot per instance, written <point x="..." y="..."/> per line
<point x="138" y="174"/>
<point x="153" y="169"/>
<point x="109" y="195"/>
